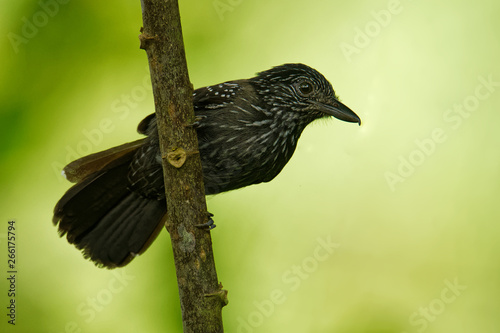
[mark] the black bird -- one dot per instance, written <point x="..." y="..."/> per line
<point x="247" y="131"/>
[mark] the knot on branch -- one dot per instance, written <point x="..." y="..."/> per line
<point x="145" y="39"/>
<point x="177" y="157"/>
<point x="221" y="294"/>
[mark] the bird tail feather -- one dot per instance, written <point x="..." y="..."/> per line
<point x="101" y="216"/>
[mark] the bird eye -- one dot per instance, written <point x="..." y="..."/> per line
<point x="305" y="88"/>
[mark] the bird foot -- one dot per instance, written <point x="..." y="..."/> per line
<point x="196" y="122"/>
<point x="209" y="225"/>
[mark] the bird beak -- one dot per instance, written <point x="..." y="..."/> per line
<point x="339" y="111"/>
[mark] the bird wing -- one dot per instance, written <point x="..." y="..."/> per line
<point x="217" y="96"/>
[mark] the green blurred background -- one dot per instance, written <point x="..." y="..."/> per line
<point x="408" y="201"/>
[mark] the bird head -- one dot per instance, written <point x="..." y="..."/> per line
<point x="302" y="90"/>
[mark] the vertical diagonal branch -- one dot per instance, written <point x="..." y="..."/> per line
<point x="200" y="294"/>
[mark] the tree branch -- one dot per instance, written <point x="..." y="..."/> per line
<point x="202" y="298"/>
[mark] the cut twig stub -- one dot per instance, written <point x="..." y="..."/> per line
<point x="177" y="157"/>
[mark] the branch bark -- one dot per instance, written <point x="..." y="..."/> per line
<point x="201" y="296"/>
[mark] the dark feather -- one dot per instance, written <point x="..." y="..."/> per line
<point x="102" y="216"/>
<point x="87" y="165"/>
